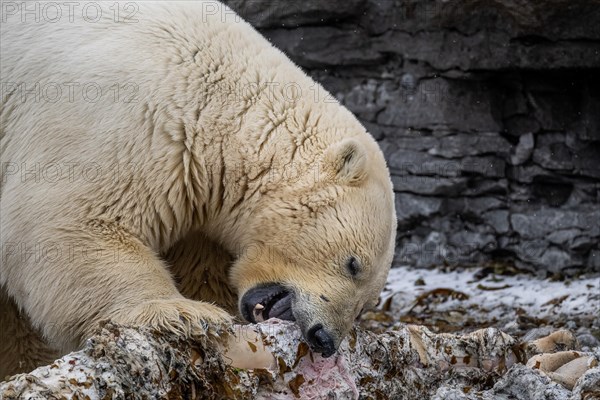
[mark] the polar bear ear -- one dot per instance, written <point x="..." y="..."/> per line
<point x="346" y="162"/>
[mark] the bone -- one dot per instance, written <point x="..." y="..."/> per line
<point x="568" y="374"/>
<point x="561" y="340"/>
<point x="551" y="362"/>
<point x="247" y="350"/>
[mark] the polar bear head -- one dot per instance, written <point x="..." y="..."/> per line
<point x="322" y="247"/>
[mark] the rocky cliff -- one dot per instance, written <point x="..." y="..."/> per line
<point x="488" y="113"/>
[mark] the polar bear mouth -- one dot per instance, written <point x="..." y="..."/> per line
<point x="267" y="301"/>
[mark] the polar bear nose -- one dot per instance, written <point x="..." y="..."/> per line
<point x="320" y="341"/>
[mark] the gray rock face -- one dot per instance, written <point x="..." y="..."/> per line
<point x="488" y="113"/>
<point x="524" y="149"/>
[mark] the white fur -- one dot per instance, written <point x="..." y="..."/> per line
<point x="227" y="140"/>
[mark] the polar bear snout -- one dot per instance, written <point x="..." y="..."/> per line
<point x="321" y="341"/>
<point x="274" y="300"/>
<point x="271" y="300"/>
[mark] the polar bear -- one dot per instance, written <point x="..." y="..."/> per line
<point x="166" y="166"/>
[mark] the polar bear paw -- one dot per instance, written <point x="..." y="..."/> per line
<point x="182" y="316"/>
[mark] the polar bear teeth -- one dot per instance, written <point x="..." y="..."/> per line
<point x="262" y="310"/>
<point x="258" y="310"/>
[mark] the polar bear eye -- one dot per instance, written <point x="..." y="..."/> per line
<point x="353" y="266"/>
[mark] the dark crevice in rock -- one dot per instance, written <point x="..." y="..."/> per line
<point x="554" y="192"/>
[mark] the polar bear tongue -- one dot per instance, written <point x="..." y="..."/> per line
<point x="280" y="307"/>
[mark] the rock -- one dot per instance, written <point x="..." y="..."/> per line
<point x="367" y="99"/>
<point x="586" y="162"/>
<point x="527" y="173"/>
<point x="530" y="252"/>
<point x="588" y="126"/>
<point x="523" y="150"/>
<point x="520" y="125"/>
<point x="462" y="145"/>
<point x="317" y="47"/>
<point x="582" y="243"/>
<point x="563" y="236"/>
<point x="374" y="130"/>
<point x="408" y="82"/>
<point x="474" y="205"/>
<point x="408" y="162"/>
<point x="487" y="166"/>
<point x="542" y="222"/>
<point x="555" y="260"/>
<point x="445" y="50"/>
<point x="586" y="339"/>
<point x="517" y="103"/>
<point x="555" y="156"/>
<point x="428" y="185"/>
<point x="521" y="382"/>
<point x="409" y="206"/>
<point x="554" y="191"/>
<point x="593" y="261"/>
<point x="498" y="220"/>
<point x="486" y="187"/>
<point x="269" y="14"/>
<point x="467" y="244"/>
<point x="412" y="142"/>
<point x="423" y="253"/>
<point x="449" y="104"/>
